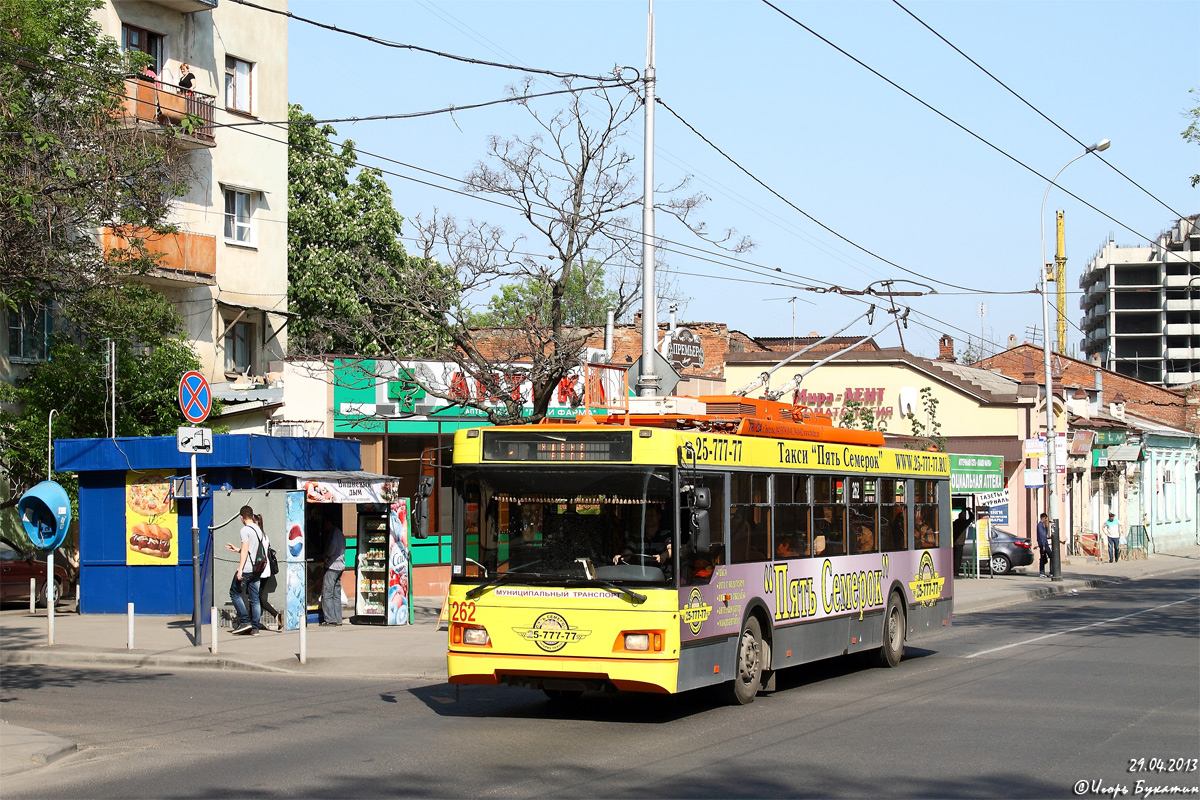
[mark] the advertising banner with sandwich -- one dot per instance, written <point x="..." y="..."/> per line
<point x="151" y="522"/>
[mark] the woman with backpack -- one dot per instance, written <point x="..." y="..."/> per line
<point x="271" y="582"/>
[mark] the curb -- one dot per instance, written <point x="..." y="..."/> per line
<point x="1066" y="587"/>
<point x="87" y="659"/>
<point x="68" y="658"/>
<point x="50" y="749"/>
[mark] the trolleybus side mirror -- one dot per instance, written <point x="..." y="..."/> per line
<point x="699" y="501"/>
<point x="421" y="510"/>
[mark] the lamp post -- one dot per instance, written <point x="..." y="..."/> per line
<point x="1051" y="434"/>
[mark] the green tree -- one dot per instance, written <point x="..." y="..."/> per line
<point x="69" y="166"/>
<point x="586" y="300"/>
<point x="151" y="355"/>
<point x="928" y="428"/>
<point x="857" y="415"/>
<point x="1191" y="133"/>
<point x="343" y="234"/>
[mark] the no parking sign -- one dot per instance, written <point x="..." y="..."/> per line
<point x="195" y="397"/>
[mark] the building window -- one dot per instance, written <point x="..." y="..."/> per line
<point x="143" y="41"/>
<point x="29" y="333"/>
<point x="239" y="217"/>
<point x="239" y="348"/>
<point x="238" y="76"/>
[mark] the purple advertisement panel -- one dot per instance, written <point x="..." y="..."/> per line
<point x="295" y="561"/>
<point x="812" y="588"/>
<point x="399" y="602"/>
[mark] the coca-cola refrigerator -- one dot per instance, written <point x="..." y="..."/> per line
<point x="371" y="569"/>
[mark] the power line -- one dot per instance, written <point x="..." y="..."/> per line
<point x="440" y="54"/>
<point x="958" y="124"/>
<point x="1013" y="92"/>
<point x="761" y="183"/>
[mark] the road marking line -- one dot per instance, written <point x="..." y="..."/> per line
<point x="1081" y="627"/>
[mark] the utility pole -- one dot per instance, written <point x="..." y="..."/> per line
<point x="648" y="384"/>
<point x="1060" y="278"/>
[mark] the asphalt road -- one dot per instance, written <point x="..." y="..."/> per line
<point x="1021" y="702"/>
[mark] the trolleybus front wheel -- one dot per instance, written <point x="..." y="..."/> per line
<point x="894" y="624"/>
<point x="748" y="668"/>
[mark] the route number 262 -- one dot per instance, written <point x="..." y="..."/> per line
<point x="462" y="612"/>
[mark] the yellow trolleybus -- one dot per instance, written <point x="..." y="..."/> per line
<point x="666" y="552"/>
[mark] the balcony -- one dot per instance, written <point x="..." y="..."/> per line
<point x="186" y="6"/>
<point x="160" y="108"/>
<point x="184" y="258"/>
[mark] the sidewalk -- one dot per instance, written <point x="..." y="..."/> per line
<point x="416" y="652"/>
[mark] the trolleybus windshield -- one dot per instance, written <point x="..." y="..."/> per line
<point x="568" y="524"/>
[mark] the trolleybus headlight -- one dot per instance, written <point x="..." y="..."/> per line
<point x="469" y="634"/>
<point x="637" y="641"/>
<point x="475" y="636"/>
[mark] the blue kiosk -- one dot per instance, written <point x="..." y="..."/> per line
<point x="135" y="543"/>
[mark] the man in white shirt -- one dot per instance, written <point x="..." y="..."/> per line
<point x="245" y="579"/>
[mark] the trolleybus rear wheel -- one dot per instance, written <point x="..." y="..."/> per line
<point x="748" y="668"/>
<point x="894" y="624"/>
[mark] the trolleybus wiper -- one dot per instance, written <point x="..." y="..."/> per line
<point x="501" y="577"/>
<point x="634" y="596"/>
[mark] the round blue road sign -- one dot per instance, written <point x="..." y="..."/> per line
<point x="195" y="397"/>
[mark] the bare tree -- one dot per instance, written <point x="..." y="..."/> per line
<point x="576" y="188"/>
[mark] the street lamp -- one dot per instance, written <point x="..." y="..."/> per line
<point x="1051" y="434"/>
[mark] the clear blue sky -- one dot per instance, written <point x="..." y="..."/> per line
<point x="837" y="141"/>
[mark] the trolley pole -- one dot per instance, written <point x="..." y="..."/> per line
<point x="648" y="383"/>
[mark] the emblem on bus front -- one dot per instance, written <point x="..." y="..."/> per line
<point x="551" y="632"/>
<point x="927" y="585"/>
<point x="695" y="612"/>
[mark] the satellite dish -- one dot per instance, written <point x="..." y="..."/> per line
<point x="910" y="399"/>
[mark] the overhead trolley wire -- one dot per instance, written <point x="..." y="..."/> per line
<point x="1038" y="111"/>
<point x="429" y="51"/>
<point x="960" y="126"/>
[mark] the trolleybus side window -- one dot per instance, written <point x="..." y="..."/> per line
<point x="893" y="514"/>
<point x="750" y="529"/>
<point x="792" y="509"/>
<point x="925" y="513"/>
<point x="697" y="567"/>
<point x="864" y="515"/>
<point x="829" y="516"/>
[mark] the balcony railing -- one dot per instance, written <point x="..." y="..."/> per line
<point x="193" y="254"/>
<point x="157" y="103"/>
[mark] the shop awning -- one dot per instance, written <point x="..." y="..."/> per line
<point x="1124" y="452"/>
<point x="343" y="486"/>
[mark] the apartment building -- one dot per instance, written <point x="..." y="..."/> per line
<point x="226" y="271"/>
<point x="1142" y="307"/>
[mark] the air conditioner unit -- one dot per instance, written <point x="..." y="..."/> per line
<point x="385" y="409"/>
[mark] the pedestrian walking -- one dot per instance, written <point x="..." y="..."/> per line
<point x="1043" y="543"/>
<point x="960" y="528"/>
<point x="335" y="564"/>
<point x="1112" y="530"/>
<point x="246" y="577"/>
<point x="269" y="582"/>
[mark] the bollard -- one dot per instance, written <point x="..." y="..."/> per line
<point x="303" y="635"/>
<point x="212" y="616"/>
<point x="32" y="596"/>
<point x="51" y="599"/>
<point x="129" y="641"/>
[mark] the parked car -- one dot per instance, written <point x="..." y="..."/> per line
<point x="16" y="568"/>
<point x="1007" y="551"/>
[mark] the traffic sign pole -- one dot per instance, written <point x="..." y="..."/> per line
<point x="195" y="400"/>
<point x="197" y="628"/>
